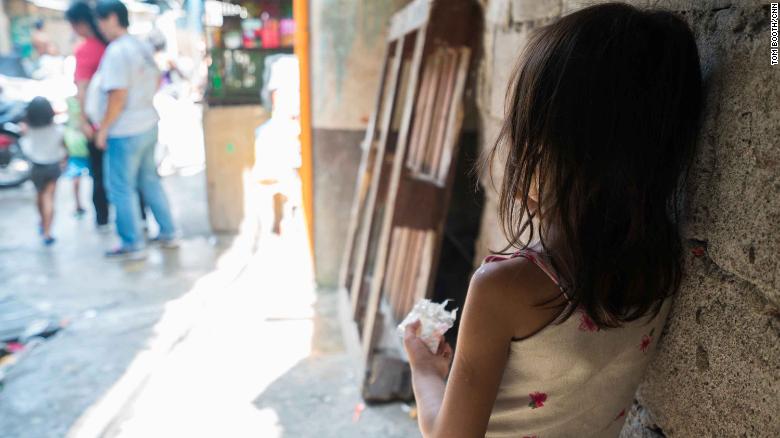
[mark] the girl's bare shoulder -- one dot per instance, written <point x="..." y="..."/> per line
<point x="515" y="292"/>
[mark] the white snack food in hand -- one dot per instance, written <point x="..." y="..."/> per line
<point x="435" y="320"/>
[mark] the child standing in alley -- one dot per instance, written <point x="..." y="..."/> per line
<point x="78" y="153"/>
<point x="43" y="145"/>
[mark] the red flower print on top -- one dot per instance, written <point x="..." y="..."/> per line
<point x="587" y="324"/>
<point x="537" y="399"/>
<point x="646" y="341"/>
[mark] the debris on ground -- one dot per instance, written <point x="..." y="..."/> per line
<point x="22" y="328"/>
<point x="410" y="409"/>
<point x="359" y="408"/>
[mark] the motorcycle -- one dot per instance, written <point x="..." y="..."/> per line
<point x="14" y="167"/>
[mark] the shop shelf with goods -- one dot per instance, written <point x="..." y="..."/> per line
<point x="243" y="39"/>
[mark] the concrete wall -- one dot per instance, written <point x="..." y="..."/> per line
<point x="716" y="372"/>
<point x="347" y="48"/>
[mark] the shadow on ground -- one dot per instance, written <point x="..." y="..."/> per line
<point x="319" y="396"/>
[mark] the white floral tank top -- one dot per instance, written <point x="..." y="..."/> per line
<point x="572" y="379"/>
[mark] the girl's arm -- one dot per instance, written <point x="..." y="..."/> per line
<point x="500" y="305"/>
<point x="429" y="373"/>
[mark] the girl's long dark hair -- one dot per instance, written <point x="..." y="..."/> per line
<point x="602" y="116"/>
<point x="81" y="12"/>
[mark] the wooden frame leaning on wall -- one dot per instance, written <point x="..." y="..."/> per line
<point x="405" y="182"/>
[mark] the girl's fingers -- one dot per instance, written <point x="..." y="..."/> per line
<point x="447" y="350"/>
<point x="444" y="347"/>
<point x="415" y="347"/>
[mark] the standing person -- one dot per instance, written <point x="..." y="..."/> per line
<point x="128" y="132"/>
<point x="88" y="54"/>
<point x="78" y="154"/>
<point x="43" y="144"/>
<point x="277" y="146"/>
<point x="600" y="131"/>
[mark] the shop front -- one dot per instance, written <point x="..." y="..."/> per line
<point x="244" y="38"/>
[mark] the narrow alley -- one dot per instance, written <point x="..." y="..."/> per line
<point x="224" y="336"/>
<point x="389" y="218"/>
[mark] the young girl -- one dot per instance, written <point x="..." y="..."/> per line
<point x="600" y="131"/>
<point x="43" y="144"/>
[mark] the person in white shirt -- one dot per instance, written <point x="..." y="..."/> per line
<point x="127" y="130"/>
<point x="42" y="143"/>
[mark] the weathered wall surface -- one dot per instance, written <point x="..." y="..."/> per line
<point x="347" y="45"/>
<point x="347" y="48"/>
<point x="717" y="369"/>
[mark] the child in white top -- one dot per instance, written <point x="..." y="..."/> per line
<point x="43" y="144"/>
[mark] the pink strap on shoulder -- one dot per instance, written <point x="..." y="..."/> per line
<point x="530" y="255"/>
<point x="538" y="261"/>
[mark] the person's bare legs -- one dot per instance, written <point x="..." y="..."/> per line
<point x="46" y="207"/>
<point x="76" y="186"/>
<point x="39" y="205"/>
<point x="279" y="200"/>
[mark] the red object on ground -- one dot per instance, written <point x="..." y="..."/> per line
<point x="14" y="347"/>
<point x="359" y="408"/>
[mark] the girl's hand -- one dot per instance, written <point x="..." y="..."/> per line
<point x="420" y="357"/>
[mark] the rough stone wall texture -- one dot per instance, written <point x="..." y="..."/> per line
<point x="717" y="368"/>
